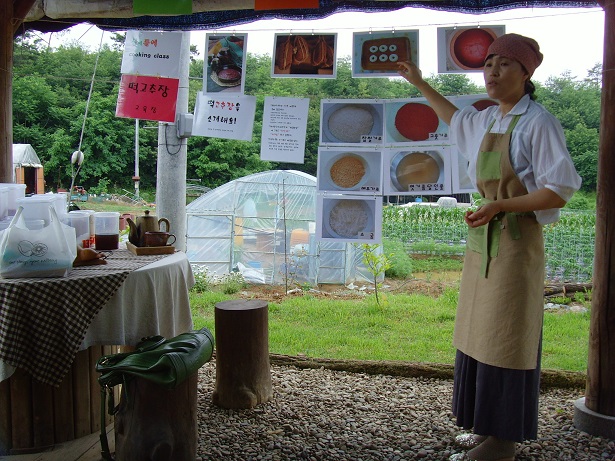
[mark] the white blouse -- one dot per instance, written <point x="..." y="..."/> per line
<point x="538" y="151"/>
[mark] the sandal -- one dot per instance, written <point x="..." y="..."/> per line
<point x="468" y="440"/>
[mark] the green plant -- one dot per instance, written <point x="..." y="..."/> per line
<point x="401" y="263"/>
<point x="377" y="264"/>
<point x="202" y="279"/>
<point x="101" y="187"/>
<point x="232" y="283"/>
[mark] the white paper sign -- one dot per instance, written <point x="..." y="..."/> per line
<point x="152" y="53"/>
<point x="284" y="129"/>
<point x="224" y="116"/>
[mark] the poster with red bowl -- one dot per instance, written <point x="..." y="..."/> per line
<point x="413" y="121"/>
<point x="464" y="49"/>
<point x="478" y="101"/>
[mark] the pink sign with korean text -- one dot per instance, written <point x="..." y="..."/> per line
<point x="147" y="98"/>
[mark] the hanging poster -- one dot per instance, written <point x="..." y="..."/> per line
<point x="417" y="171"/>
<point x="413" y="121"/>
<point x="351" y="121"/>
<point x="225" y="63"/>
<point x="464" y="49"/>
<point x="284" y="129"/>
<point x="152" y="53"/>
<point x="224" y="116"/>
<point x="378" y="54"/>
<point x="353" y="170"/>
<point x="349" y="218"/>
<point x="147" y="98"/>
<point x="304" y="56"/>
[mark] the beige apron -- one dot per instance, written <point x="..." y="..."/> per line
<point x="500" y="312"/>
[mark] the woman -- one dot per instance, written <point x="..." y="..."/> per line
<point x="520" y="165"/>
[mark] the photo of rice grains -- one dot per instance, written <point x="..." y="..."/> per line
<point x="356" y="121"/>
<point x="349" y="218"/>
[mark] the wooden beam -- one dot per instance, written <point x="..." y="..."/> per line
<point x="20" y="10"/>
<point x="600" y="388"/>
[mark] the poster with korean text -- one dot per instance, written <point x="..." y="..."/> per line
<point x="147" y="98"/>
<point x="224" y="116"/>
<point x="152" y="53"/>
<point x="284" y="129"/>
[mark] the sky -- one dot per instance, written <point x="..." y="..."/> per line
<point x="571" y="39"/>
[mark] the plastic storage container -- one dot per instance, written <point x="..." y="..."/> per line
<point x="4" y="202"/>
<point x="107" y="230"/>
<point x="15" y="191"/>
<point x="37" y="207"/>
<point x="81" y="222"/>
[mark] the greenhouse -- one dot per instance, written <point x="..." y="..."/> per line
<point x="263" y="225"/>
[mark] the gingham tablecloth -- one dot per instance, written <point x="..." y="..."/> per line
<point x="43" y="321"/>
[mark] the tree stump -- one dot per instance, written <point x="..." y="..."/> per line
<point x="157" y="424"/>
<point x="243" y="376"/>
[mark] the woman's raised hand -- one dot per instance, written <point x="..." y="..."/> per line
<point x="409" y="71"/>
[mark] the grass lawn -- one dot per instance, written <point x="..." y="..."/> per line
<point x="411" y="327"/>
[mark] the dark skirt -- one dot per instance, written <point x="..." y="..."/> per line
<point x="496" y="401"/>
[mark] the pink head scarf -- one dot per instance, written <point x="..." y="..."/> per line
<point x="517" y="47"/>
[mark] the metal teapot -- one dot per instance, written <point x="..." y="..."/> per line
<point x="146" y="223"/>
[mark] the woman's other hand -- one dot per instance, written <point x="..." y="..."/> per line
<point x="482" y="215"/>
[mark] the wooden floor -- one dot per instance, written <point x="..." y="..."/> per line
<point x="84" y="449"/>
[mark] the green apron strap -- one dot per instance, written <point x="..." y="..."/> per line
<point x="511" y="125"/>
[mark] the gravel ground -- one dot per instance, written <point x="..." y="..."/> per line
<point x="320" y="414"/>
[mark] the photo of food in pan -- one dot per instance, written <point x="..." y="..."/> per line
<point x="413" y="121"/>
<point x="464" y="49"/>
<point x="351" y="122"/>
<point x="415" y="168"/>
<point x="424" y="170"/>
<point x="377" y="54"/>
<point x="225" y="63"/>
<point x="311" y="56"/>
<point x="341" y="170"/>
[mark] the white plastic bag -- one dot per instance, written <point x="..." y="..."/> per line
<point x="46" y="252"/>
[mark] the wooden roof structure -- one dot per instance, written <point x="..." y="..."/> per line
<point x="117" y="15"/>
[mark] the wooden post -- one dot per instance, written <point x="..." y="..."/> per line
<point x="6" y="91"/>
<point x="155" y="423"/>
<point x="243" y="377"/>
<point x="600" y="389"/>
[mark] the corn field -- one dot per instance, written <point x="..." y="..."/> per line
<point x="569" y="243"/>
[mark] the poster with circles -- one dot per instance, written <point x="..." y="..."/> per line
<point x="378" y="54"/>
<point x="464" y="49"/>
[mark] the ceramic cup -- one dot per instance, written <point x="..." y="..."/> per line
<point x="159" y="239"/>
